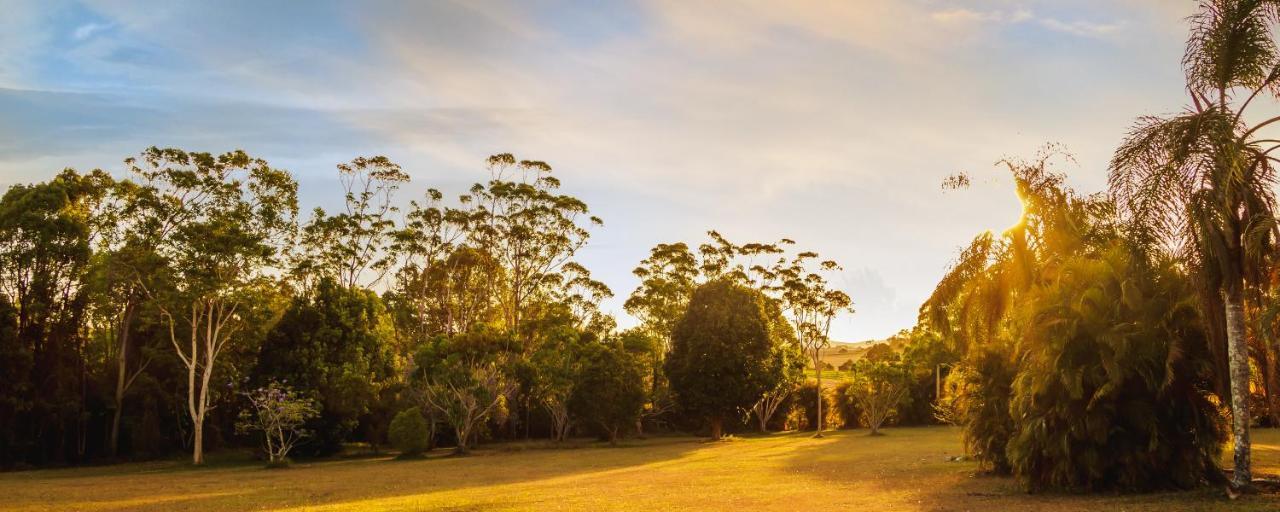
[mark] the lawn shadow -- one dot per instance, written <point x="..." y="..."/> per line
<point x="242" y="485"/>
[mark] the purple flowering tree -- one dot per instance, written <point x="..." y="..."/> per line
<point x="279" y="413"/>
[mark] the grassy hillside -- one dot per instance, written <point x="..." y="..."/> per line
<point x="905" y="470"/>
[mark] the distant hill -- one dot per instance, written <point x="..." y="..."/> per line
<point x="841" y="351"/>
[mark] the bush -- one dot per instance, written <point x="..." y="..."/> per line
<point x="1114" y="393"/>
<point x="983" y="388"/>
<point x="804" y="408"/>
<point x="849" y="410"/>
<point x="409" y="432"/>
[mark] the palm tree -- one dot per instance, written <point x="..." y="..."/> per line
<point x="1201" y="180"/>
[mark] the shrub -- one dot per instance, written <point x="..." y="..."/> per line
<point x="409" y="432"/>
<point x="1114" y="391"/>
<point x="804" y="408"/>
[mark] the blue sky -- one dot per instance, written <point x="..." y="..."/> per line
<point x="832" y="123"/>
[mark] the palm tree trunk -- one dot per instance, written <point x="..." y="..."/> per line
<point x="1238" y="356"/>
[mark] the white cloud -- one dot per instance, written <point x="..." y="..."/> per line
<point x="87" y="30"/>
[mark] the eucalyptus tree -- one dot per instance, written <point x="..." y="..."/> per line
<point x="223" y="218"/>
<point x="352" y="246"/>
<point x="667" y="280"/>
<point x="1202" y="179"/>
<point x="811" y="303"/>
<point x="438" y="275"/>
<point x="520" y="218"/>
<point x="122" y="255"/>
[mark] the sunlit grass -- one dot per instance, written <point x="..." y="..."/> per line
<point x="905" y="470"/>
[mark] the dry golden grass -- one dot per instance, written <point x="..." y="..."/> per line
<point x="905" y="470"/>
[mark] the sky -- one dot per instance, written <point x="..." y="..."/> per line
<point x="831" y="123"/>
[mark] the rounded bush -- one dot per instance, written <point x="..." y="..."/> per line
<point x="409" y="432"/>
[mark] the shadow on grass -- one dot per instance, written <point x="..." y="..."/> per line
<point x="237" y="483"/>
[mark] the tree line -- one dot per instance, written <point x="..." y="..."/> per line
<point x="187" y="306"/>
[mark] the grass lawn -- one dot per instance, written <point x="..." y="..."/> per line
<point x="905" y="470"/>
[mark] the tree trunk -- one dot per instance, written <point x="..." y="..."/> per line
<point x="463" y="438"/>
<point x="818" y="394"/>
<point x="613" y="436"/>
<point x="717" y="428"/>
<point x="1238" y="356"/>
<point x="197" y="450"/>
<point x="113" y="444"/>
<point x="122" y="382"/>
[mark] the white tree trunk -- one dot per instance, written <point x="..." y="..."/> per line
<point x="1238" y="357"/>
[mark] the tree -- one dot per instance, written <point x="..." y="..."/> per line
<point x="531" y="230"/>
<point x="464" y="379"/>
<point x="338" y="345"/>
<point x="722" y="354"/>
<point x="279" y="413"/>
<point x="878" y="387"/>
<point x="609" y="389"/>
<point x="811" y="304"/>
<point x="352" y="246"/>
<point x="667" y="280"/>
<point x="1202" y="180"/>
<point x="225" y="217"/>
<point x="557" y="365"/>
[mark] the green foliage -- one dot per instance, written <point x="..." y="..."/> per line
<point x="722" y="356"/>
<point x="409" y="432"/>
<point x="336" y="344"/>
<point x="610" y="388"/>
<point x="983" y="388"/>
<point x="1114" y="392"/>
<point x="878" y="387"/>
<point x="466" y="378"/>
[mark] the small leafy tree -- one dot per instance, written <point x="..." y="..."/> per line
<point x="278" y="413"/>
<point x="878" y="387"/>
<point x="610" y="389"/>
<point x="465" y="379"/>
<point x="556" y="366"/>
<point x="410" y="432"/>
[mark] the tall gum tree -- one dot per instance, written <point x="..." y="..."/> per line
<point x="226" y="216"/>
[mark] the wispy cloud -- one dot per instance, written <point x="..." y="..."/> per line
<point x="828" y="122"/>
<point x="87" y="30"/>
<point x="1082" y="28"/>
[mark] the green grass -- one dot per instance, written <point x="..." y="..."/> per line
<point x="846" y="470"/>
